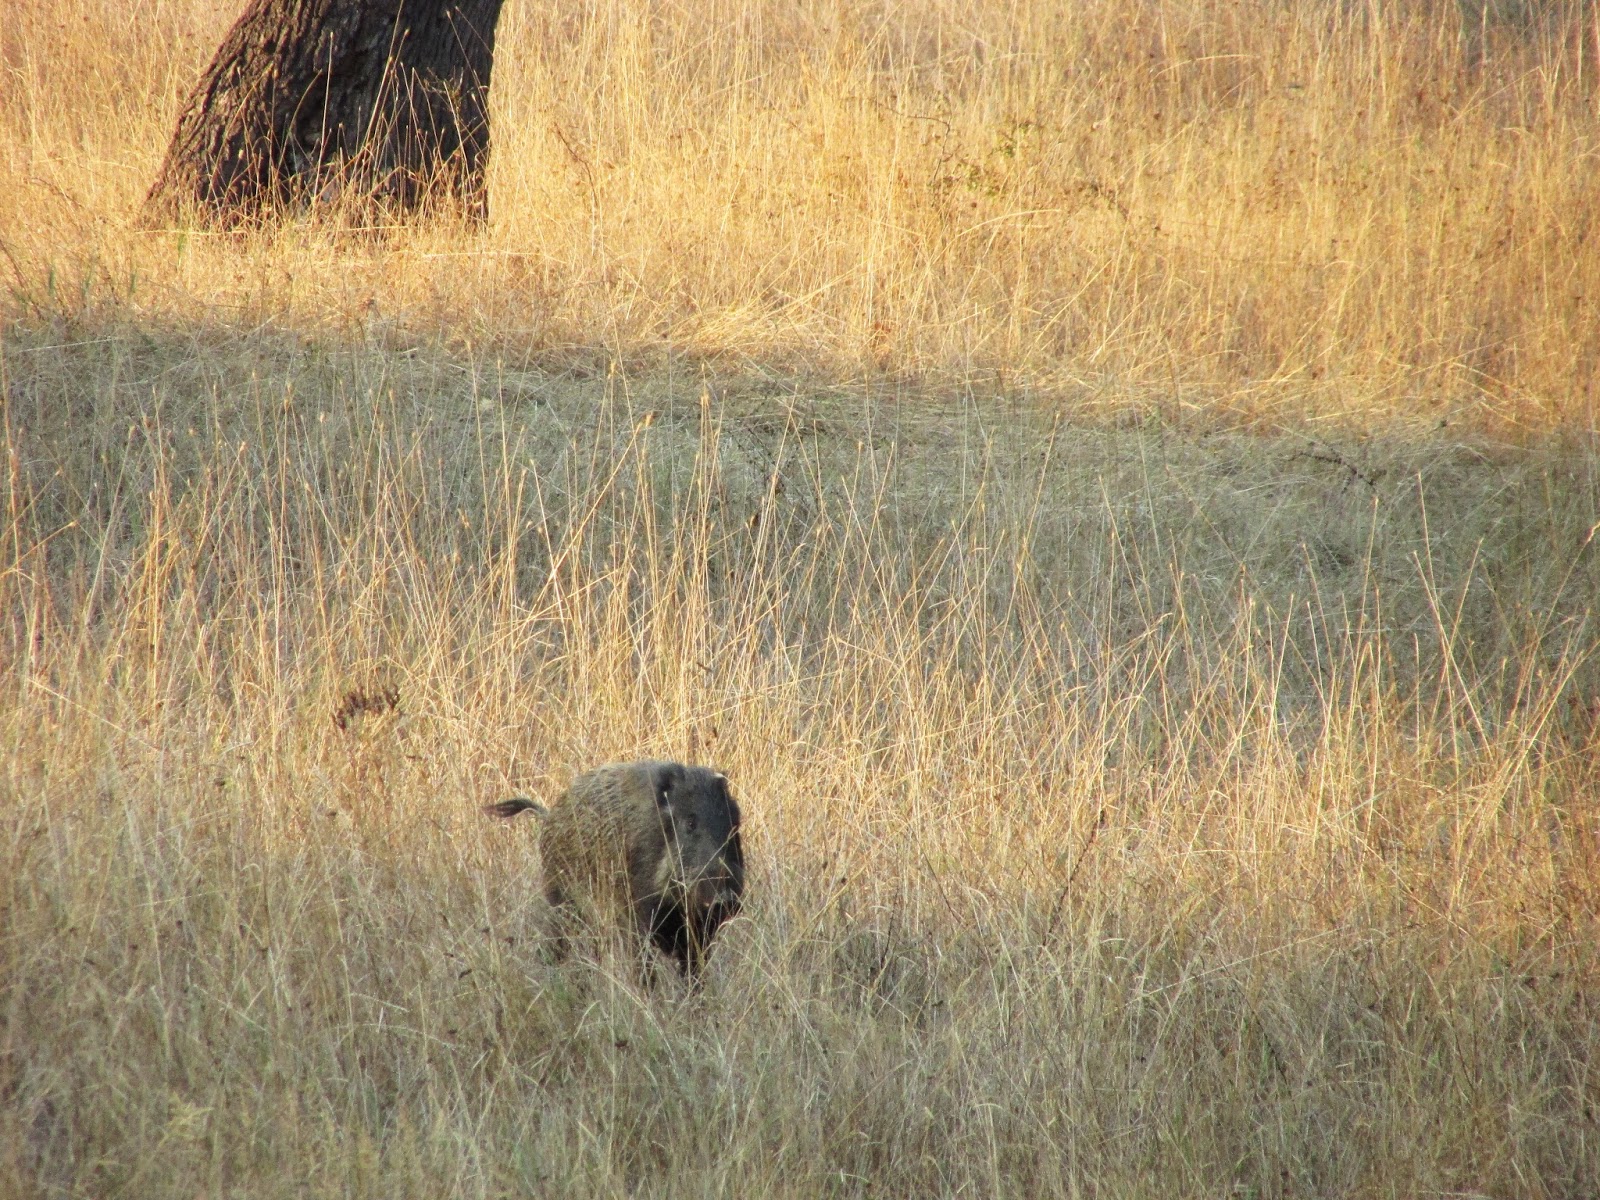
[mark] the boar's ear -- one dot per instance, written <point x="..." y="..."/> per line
<point x="664" y="779"/>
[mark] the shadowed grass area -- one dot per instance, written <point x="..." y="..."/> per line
<point x="1128" y="808"/>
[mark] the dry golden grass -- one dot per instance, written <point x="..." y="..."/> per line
<point x="1276" y="208"/>
<point x="1171" y="752"/>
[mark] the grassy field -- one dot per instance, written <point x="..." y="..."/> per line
<point x="1114" y="485"/>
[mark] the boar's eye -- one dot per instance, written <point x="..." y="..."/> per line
<point x="689" y="821"/>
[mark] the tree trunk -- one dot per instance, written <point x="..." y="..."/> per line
<point x="309" y="101"/>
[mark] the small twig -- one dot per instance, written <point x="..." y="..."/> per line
<point x="1058" y="907"/>
<point x="889" y="108"/>
<point x="1334" y="459"/>
<point x="583" y="162"/>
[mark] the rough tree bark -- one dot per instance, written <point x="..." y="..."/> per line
<point x="378" y="102"/>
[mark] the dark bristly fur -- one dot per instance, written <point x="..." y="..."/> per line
<point x="651" y="845"/>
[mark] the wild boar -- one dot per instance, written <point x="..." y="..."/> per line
<point x="652" y="846"/>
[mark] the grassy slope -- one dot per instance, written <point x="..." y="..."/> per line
<point x="1168" y="771"/>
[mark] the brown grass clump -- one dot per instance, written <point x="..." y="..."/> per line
<point x="1173" y="764"/>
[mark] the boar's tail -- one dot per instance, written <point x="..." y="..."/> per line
<point x="507" y="809"/>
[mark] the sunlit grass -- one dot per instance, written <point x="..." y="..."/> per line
<point x="1277" y="210"/>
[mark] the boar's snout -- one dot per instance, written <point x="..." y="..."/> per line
<point x="715" y="893"/>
